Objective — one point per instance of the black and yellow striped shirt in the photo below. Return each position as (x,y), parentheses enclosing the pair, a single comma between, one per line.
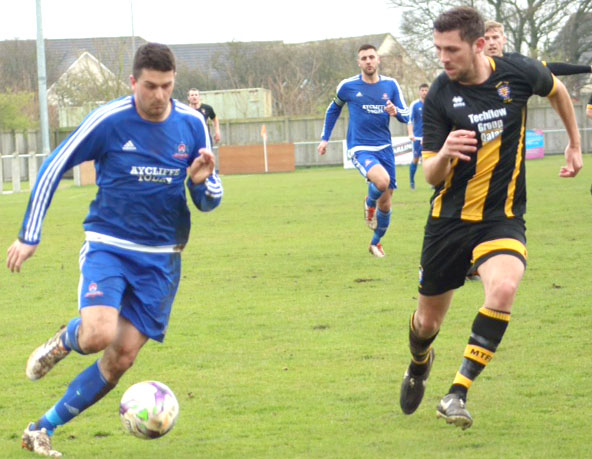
(492,185)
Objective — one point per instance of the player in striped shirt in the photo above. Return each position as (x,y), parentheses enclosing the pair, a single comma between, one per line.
(371,99)
(148,149)
(495,40)
(474,123)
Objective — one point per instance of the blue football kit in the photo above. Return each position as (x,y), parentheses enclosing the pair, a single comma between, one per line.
(416,118)
(139,221)
(368,135)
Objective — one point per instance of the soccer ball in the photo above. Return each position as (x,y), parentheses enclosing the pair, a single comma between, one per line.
(149,409)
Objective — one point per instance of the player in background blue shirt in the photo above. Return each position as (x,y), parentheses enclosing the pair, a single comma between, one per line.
(147,150)
(415,130)
(371,99)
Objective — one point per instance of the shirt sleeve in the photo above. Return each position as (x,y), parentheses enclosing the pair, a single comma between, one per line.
(564,68)
(403,111)
(537,74)
(332,113)
(436,125)
(208,195)
(84,144)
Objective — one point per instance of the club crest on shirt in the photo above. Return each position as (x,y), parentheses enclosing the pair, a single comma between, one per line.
(503,90)
(93,291)
(181,151)
(458,101)
(385,96)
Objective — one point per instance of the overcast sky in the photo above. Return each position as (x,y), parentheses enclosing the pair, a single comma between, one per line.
(199,21)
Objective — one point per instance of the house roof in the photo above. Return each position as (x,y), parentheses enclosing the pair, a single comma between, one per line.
(116,53)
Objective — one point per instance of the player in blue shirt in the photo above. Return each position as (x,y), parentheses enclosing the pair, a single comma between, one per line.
(371,99)
(415,130)
(147,149)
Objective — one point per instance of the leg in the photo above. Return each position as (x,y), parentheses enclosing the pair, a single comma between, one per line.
(383,220)
(414,162)
(423,329)
(501,275)
(379,180)
(97,380)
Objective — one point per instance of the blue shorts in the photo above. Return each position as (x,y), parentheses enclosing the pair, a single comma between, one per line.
(365,160)
(417,148)
(142,286)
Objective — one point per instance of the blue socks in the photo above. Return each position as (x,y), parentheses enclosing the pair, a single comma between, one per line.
(412,171)
(373,195)
(86,389)
(70,337)
(383,220)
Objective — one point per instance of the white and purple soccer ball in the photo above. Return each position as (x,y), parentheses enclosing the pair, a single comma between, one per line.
(149,409)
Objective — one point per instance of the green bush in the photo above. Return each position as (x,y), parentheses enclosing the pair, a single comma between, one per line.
(17,111)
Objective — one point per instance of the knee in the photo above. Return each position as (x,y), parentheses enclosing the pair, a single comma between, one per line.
(94,338)
(426,326)
(503,294)
(382,183)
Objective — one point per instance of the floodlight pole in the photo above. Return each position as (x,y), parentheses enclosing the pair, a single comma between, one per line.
(133,33)
(42,83)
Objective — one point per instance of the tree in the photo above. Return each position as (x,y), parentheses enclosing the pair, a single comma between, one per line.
(530,25)
(302,77)
(188,78)
(574,44)
(18,65)
(17,111)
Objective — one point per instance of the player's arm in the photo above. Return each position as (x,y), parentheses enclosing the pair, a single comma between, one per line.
(83,144)
(443,145)
(18,253)
(402,110)
(217,135)
(204,185)
(561,103)
(331,117)
(459,145)
(563,68)
(410,130)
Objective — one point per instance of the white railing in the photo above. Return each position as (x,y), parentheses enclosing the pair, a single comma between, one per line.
(15,170)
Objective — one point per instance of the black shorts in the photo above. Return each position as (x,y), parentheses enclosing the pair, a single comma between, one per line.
(451,246)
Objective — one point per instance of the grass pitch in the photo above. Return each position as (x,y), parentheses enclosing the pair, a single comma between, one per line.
(287,339)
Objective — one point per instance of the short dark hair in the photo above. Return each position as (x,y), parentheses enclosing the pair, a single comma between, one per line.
(366,47)
(153,56)
(465,19)
(424,85)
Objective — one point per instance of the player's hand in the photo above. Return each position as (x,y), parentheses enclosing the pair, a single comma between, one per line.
(217,137)
(412,138)
(390,108)
(459,144)
(18,252)
(202,167)
(322,148)
(573,158)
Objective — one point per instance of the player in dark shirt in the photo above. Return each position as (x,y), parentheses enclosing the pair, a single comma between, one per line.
(495,40)
(207,111)
(474,128)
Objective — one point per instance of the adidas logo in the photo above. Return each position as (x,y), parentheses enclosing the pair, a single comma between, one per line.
(129,146)
(359,94)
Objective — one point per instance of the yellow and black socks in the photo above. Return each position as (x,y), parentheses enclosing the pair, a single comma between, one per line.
(487,332)
(420,350)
